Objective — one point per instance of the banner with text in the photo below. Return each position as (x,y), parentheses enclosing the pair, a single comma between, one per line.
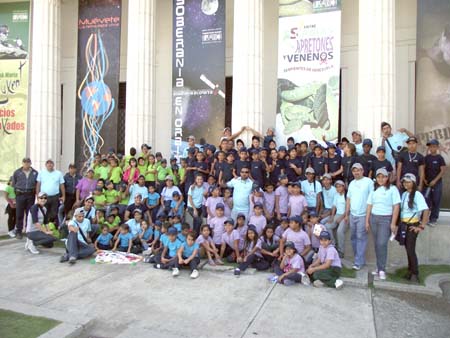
(97,78)
(433,80)
(309,47)
(198,72)
(14,49)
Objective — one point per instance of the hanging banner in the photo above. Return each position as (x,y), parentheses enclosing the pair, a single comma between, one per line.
(198,72)
(433,80)
(309,47)
(97,78)
(14,49)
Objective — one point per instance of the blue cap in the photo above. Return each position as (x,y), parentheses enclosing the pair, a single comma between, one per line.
(254,151)
(331,145)
(313,214)
(191,151)
(317,146)
(240,215)
(282,148)
(220,206)
(172,231)
(253,228)
(229,220)
(381,148)
(258,205)
(325,235)
(284,218)
(243,149)
(282,177)
(158,222)
(367,142)
(433,142)
(290,245)
(297,219)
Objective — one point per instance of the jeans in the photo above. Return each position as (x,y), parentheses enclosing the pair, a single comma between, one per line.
(434,201)
(52,208)
(340,232)
(197,220)
(358,238)
(24,201)
(173,262)
(78,249)
(410,246)
(193,264)
(381,230)
(296,277)
(69,202)
(259,263)
(40,238)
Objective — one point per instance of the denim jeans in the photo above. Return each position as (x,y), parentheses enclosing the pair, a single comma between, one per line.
(76,248)
(359,239)
(434,201)
(340,232)
(381,230)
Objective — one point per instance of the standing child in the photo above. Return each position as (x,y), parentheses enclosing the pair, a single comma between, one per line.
(326,269)
(230,243)
(207,246)
(153,201)
(217,225)
(212,201)
(241,227)
(11,208)
(258,219)
(281,197)
(269,201)
(131,173)
(188,254)
(256,197)
(124,240)
(252,253)
(297,202)
(227,202)
(104,240)
(150,172)
(291,269)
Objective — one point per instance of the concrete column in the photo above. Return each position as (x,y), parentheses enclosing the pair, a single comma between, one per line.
(45,91)
(247,64)
(376,80)
(140,110)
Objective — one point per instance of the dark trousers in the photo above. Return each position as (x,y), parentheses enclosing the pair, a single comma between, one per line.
(410,246)
(52,208)
(229,253)
(327,276)
(24,201)
(296,277)
(197,221)
(40,238)
(259,263)
(193,264)
(69,202)
(173,262)
(434,201)
(78,249)
(11,212)
(103,247)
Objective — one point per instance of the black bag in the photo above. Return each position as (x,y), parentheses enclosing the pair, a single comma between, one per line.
(400,237)
(396,153)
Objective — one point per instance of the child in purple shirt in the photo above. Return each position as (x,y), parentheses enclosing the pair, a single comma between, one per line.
(258,219)
(217,225)
(291,269)
(252,253)
(269,201)
(297,202)
(281,197)
(230,243)
(241,227)
(207,246)
(284,224)
(326,269)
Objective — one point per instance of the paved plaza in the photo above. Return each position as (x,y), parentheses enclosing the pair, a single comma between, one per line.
(139,301)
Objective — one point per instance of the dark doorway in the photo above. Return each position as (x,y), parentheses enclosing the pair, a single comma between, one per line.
(228,100)
(121,118)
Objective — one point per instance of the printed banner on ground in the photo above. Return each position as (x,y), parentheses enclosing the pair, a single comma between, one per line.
(309,46)
(14,49)
(433,79)
(198,72)
(97,78)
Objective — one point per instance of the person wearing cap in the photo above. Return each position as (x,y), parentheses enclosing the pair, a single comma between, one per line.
(393,142)
(291,269)
(196,193)
(367,159)
(71,179)
(383,207)
(134,225)
(167,195)
(312,190)
(24,181)
(414,215)
(348,160)
(85,187)
(37,229)
(411,162)
(294,166)
(138,188)
(231,244)
(299,237)
(282,197)
(382,163)
(326,269)
(176,206)
(333,162)
(337,218)
(434,171)
(258,219)
(79,243)
(258,168)
(357,141)
(355,212)
(242,187)
(212,201)
(297,202)
(217,225)
(51,181)
(190,146)
(168,258)
(138,204)
(328,194)
(277,166)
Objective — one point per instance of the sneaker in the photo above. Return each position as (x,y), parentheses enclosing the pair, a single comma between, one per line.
(147,259)
(64,258)
(27,242)
(219,261)
(211,262)
(432,224)
(273,278)
(147,252)
(237,272)
(194,274)
(288,282)
(339,284)
(305,279)
(19,235)
(157,266)
(175,272)
(12,233)
(318,284)
(32,248)
(374,273)
(72,260)
(382,275)
(356,267)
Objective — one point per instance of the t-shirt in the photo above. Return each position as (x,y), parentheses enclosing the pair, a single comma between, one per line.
(282,193)
(250,245)
(104,239)
(359,148)
(396,141)
(382,200)
(297,203)
(290,172)
(318,164)
(10,191)
(258,172)
(242,234)
(329,253)
(279,231)
(167,192)
(269,201)
(164,239)
(173,247)
(200,240)
(334,164)
(153,198)
(419,205)
(328,197)
(358,192)
(270,245)
(85,226)
(151,177)
(189,250)
(163,172)
(433,164)
(230,238)
(116,175)
(242,189)
(217,225)
(385,164)
(299,238)
(50,181)
(411,163)
(125,239)
(339,202)
(102,172)
(367,162)
(135,227)
(99,201)
(148,233)
(137,189)
(111,196)
(311,190)
(294,262)
(197,196)
(259,222)
(211,203)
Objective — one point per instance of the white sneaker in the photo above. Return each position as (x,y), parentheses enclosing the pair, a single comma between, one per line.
(356,267)
(318,284)
(375,273)
(339,284)
(194,274)
(147,252)
(12,233)
(175,272)
(32,248)
(305,279)
(27,242)
(382,275)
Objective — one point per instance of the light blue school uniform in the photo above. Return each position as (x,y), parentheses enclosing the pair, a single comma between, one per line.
(339,202)
(177,226)
(135,227)
(147,234)
(382,200)
(328,197)
(50,181)
(415,212)
(359,149)
(104,239)
(85,226)
(153,198)
(173,247)
(197,196)
(164,239)
(189,250)
(180,211)
(181,237)
(125,239)
(136,189)
(241,191)
(156,234)
(358,192)
(311,189)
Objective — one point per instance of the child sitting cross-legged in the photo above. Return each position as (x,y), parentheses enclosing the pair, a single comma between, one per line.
(291,269)
(207,246)
(326,269)
(188,254)
(103,241)
(252,252)
(168,258)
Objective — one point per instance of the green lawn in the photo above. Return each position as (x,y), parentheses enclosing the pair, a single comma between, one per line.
(17,325)
(348,272)
(424,271)
(3,237)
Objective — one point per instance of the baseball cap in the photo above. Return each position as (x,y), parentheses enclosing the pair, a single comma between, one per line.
(99,189)
(331,145)
(317,146)
(191,150)
(433,142)
(357,132)
(367,142)
(284,218)
(253,228)
(42,194)
(411,139)
(169,177)
(290,245)
(357,166)
(409,178)
(382,171)
(282,148)
(282,177)
(163,160)
(191,137)
(79,211)
(26,160)
(90,169)
(381,148)
(172,231)
(220,206)
(310,171)
(327,176)
(325,235)
(90,197)
(229,220)
(175,193)
(340,182)
(243,150)
(297,219)
(139,211)
(313,214)
(240,215)
(258,205)
(138,195)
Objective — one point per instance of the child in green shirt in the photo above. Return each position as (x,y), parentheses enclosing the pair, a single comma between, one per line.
(150,173)
(112,196)
(102,171)
(115,172)
(99,198)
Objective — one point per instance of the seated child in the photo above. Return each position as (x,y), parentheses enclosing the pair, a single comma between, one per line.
(300,238)
(252,252)
(124,240)
(188,254)
(314,228)
(103,241)
(168,258)
(270,244)
(145,235)
(326,269)
(176,222)
(207,246)
(174,210)
(185,229)
(113,220)
(230,247)
(284,224)
(291,269)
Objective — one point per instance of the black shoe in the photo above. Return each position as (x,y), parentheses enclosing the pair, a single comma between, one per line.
(237,272)
(415,279)
(64,258)
(19,235)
